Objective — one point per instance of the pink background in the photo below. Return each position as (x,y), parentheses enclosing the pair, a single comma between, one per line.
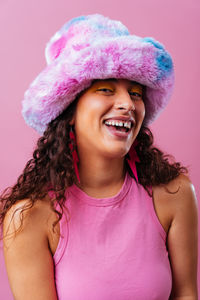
(26,26)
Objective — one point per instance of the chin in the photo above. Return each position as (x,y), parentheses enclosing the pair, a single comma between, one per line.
(117,152)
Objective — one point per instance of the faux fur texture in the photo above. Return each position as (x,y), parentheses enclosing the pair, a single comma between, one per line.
(95,47)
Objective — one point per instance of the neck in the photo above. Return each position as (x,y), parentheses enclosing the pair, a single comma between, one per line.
(101,177)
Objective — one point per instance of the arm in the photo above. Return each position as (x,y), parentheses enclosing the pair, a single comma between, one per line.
(28,259)
(182,242)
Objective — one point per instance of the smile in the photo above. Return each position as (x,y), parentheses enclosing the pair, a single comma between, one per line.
(119,124)
(119,128)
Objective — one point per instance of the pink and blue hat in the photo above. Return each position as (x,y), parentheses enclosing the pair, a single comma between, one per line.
(96,47)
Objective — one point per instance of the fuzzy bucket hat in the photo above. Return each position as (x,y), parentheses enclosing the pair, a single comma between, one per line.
(96,47)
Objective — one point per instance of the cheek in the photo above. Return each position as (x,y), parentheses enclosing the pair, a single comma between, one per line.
(141,111)
(89,114)
(91,108)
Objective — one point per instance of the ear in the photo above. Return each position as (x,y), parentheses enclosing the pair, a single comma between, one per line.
(72,121)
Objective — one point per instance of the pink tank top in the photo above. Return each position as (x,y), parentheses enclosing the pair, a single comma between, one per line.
(112,248)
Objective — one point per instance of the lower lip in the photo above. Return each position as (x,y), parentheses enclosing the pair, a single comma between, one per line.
(121,134)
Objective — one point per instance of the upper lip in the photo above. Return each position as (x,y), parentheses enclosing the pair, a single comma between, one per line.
(122,118)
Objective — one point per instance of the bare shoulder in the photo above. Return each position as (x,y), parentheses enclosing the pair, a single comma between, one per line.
(186,192)
(27,252)
(182,182)
(177,192)
(177,205)
(29,218)
(182,239)
(170,199)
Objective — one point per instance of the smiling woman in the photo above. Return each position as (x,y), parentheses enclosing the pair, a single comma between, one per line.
(99,212)
(101,112)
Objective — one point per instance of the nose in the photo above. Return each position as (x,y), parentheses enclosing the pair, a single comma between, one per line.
(124,102)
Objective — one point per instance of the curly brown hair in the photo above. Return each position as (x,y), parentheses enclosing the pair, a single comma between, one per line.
(51,167)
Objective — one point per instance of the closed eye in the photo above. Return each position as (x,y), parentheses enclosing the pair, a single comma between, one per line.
(136,95)
(105,90)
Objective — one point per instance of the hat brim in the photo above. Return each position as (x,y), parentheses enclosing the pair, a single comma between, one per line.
(127,57)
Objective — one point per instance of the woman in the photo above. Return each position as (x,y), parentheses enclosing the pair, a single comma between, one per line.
(99,212)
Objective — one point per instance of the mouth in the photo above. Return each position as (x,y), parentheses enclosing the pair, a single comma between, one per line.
(119,125)
(120,128)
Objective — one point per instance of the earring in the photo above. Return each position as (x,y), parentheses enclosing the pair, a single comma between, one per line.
(72,146)
(132,159)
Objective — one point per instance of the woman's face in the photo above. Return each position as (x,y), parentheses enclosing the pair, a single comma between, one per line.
(108,117)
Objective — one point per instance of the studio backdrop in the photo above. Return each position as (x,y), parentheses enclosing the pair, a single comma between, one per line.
(25,28)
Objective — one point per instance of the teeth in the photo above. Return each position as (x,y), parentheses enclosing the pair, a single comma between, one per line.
(119,123)
(128,125)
